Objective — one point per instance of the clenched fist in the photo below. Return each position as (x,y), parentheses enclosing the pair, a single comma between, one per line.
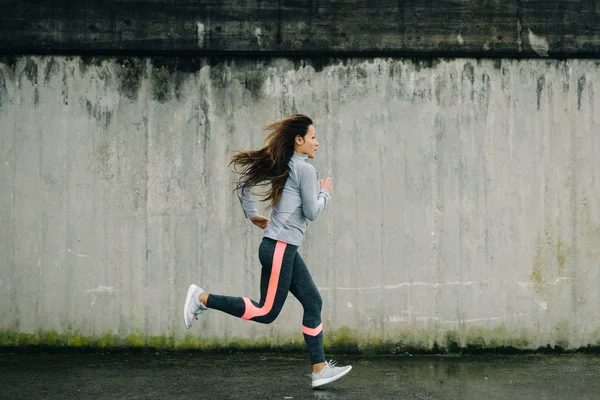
(260,221)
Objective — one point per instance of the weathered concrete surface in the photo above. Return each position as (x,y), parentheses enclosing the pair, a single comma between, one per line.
(264,376)
(466,206)
(554,28)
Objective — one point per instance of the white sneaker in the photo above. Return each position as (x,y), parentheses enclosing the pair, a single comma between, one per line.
(190,309)
(329,373)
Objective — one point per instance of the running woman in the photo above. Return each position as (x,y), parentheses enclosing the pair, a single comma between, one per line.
(296,195)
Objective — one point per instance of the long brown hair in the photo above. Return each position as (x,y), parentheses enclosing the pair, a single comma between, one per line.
(269,165)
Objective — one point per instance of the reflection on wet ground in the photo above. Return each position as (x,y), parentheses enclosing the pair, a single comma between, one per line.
(276,376)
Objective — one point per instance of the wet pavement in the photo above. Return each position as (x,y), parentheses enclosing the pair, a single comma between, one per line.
(276,376)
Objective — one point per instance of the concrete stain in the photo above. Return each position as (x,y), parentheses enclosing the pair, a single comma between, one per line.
(31,71)
(562,334)
(254,83)
(170,73)
(3,90)
(561,255)
(219,76)
(440,90)
(100,113)
(486,92)
(161,88)
(130,74)
(539,266)
(185,65)
(546,254)
(317,63)
(425,63)
(548,251)
(51,69)
(469,74)
(105,158)
(541,82)
(562,67)
(85,62)
(10,62)
(580,87)
(361,72)
(8,65)
(65,89)
(588,232)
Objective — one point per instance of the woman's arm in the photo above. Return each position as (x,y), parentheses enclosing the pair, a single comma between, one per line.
(246,200)
(314,198)
(249,205)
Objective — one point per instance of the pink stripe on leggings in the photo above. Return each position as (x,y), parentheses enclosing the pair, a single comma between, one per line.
(253,311)
(312,331)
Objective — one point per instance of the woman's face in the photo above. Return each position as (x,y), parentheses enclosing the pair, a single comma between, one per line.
(308,144)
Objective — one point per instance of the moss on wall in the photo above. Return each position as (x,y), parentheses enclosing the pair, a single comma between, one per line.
(344,340)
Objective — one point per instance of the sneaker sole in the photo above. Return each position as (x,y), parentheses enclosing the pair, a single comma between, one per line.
(188,299)
(325,381)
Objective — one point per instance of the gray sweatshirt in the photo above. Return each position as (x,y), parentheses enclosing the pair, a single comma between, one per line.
(302,199)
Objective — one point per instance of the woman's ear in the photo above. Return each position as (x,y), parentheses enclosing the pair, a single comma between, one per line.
(299,140)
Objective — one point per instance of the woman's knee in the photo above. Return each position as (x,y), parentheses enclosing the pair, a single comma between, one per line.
(318,302)
(314,304)
(269,317)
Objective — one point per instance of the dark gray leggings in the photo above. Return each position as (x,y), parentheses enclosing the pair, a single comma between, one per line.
(283,271)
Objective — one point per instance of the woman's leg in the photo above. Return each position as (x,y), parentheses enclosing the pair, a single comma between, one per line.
(277,259)
(304,289)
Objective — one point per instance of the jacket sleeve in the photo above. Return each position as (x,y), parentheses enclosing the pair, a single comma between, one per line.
(246,200)
(314,199)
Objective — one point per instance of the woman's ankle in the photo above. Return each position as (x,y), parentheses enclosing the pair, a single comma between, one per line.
(316,368)
(203,298)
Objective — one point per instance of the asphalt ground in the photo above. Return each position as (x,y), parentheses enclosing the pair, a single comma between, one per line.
(276,376)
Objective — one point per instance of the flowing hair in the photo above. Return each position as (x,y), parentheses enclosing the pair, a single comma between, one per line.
(269,165)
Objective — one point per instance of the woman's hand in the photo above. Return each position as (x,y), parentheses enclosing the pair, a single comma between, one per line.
(260,221)
(328,185)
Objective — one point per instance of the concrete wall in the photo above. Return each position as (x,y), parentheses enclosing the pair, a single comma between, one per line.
(465,28)
(466,196)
